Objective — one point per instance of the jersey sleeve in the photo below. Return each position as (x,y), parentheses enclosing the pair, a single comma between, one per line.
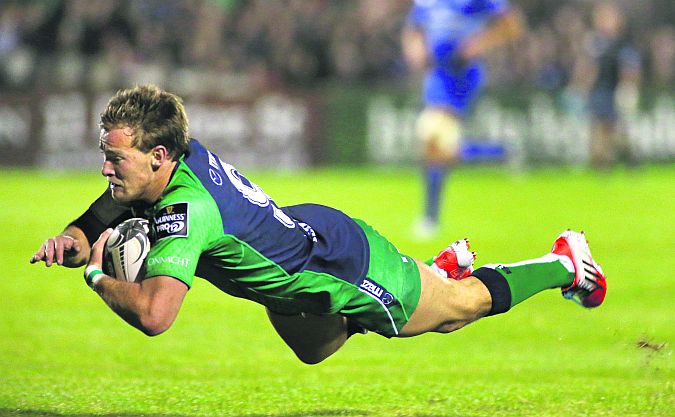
(102,213)
(416,16)
(181,231)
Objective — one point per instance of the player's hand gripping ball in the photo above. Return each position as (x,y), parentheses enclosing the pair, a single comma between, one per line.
(126,249)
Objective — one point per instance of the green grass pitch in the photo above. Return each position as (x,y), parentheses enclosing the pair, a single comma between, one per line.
(63,353)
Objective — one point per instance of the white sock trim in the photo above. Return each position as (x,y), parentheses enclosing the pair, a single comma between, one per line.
(548,258)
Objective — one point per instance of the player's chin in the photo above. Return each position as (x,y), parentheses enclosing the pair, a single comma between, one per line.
(120,196)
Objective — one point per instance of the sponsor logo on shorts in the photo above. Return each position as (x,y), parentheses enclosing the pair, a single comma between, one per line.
(377,291)
(171,221)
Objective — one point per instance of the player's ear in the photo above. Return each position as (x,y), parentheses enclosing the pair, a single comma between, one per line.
(160,155)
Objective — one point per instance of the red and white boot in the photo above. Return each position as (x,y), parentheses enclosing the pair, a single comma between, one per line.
(455,261)
(590,285)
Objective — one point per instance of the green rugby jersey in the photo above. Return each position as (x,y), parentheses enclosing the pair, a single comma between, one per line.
(213,223)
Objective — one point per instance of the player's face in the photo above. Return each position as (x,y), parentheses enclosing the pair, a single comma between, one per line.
(128,170)
(607,19)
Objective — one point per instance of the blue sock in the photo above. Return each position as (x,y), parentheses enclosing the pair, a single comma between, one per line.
(435,179)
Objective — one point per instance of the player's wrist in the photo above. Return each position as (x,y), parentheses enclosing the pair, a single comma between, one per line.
(92,275)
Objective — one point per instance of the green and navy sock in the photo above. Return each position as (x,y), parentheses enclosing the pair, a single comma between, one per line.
(510,284)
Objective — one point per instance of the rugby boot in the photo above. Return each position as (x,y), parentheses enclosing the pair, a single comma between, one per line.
(590,285)
(455,261)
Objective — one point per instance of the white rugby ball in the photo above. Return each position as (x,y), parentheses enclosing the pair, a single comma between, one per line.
(126,249)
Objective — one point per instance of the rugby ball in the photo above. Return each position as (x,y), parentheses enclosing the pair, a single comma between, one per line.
(126,249)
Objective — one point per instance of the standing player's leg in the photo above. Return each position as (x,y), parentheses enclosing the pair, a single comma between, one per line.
(439,131)
(448,96)
(603,128)
(447,305)
(602,139)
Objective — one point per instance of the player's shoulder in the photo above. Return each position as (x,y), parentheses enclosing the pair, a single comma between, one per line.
(180,214)
(183,197)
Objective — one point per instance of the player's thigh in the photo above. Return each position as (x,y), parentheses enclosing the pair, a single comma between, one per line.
(440,133)
(312,337)
(384,300)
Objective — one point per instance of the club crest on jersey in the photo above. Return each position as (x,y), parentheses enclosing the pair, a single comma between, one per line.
(377,291)
(171,221)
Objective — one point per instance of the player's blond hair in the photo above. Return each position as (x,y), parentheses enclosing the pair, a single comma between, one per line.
(155,116)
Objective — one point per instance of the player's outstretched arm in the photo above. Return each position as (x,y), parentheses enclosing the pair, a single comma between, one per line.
(70,249)
(414,48)
(150,305)
(502,29)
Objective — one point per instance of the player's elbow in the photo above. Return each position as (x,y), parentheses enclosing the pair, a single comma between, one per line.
(157,314)
(154,323)
(154,326)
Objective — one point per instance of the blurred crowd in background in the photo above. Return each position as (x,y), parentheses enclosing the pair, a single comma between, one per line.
(226,44)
